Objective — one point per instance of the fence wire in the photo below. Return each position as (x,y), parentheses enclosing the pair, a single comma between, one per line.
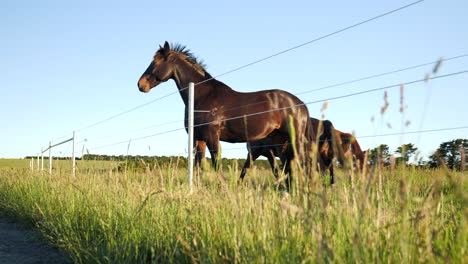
(297,105)
(258,61)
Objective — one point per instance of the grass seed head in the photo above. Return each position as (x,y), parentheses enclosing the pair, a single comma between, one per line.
(324,106)
(427,77)
(438,65)
(386,105)
(402,98)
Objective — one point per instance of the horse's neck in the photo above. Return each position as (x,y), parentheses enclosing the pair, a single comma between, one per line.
(184,74)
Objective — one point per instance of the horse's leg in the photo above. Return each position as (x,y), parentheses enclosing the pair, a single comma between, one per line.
(213,146)
(332,175)
(285,154)
(272,160)
(246,166)
(297,149)
(328,164)
(286,158)
(287,171)
(251,157)
(199,156)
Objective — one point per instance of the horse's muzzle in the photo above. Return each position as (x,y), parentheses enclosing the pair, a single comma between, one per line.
(144,88)
(145,84)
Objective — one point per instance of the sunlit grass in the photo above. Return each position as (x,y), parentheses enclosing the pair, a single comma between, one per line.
(403,215)
(14,163)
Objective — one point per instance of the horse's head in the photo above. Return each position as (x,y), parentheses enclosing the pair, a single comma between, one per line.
(158,71)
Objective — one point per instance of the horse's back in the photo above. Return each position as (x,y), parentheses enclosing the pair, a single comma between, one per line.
(263,112)
(280,97)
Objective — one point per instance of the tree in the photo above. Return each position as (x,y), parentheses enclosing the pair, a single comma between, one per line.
(380,153)
(450,154)
(405,151)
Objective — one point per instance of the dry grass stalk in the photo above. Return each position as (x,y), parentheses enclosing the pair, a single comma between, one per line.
(438,65)
(292,208)
(402,98)
(386,105)
(324,106)
(427,77)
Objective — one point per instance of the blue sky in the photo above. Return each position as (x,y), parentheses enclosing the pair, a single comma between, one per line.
(66,65)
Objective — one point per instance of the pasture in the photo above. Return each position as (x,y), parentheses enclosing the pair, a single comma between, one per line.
(383,215)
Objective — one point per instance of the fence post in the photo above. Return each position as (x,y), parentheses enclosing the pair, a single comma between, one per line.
(190,134)
(31,164)
(50,157)
(38,168)
(73,154)
(42,159)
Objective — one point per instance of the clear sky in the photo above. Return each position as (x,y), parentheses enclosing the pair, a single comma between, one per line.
(65,65)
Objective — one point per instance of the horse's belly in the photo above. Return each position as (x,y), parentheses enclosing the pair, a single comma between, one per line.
(241,134)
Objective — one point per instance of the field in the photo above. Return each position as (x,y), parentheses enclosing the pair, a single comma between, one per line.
(103,215)
(60,165)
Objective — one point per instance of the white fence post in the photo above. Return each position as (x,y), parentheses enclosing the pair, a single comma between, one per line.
(42,159)
(190,134)
(50,153)
(50,157)
(73,154)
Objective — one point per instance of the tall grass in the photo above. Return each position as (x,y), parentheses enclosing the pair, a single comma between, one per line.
(404,215)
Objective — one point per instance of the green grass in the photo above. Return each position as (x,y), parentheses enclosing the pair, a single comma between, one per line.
(404,215)
(14,163)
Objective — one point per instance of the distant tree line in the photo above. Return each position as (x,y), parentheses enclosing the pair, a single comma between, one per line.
(450,154)
(53,158)
(139,162)
(127,157)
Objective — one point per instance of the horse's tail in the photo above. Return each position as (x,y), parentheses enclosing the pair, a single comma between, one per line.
(328,130)
(326,147)
(327,135)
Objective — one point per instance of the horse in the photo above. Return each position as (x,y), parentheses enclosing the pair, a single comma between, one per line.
(342,146)
(326,134)
(268,147)
(351,148)
(220,117)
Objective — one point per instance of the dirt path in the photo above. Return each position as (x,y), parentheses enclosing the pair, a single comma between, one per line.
(20,245)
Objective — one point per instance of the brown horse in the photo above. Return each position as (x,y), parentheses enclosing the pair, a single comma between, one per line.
(351,148)
(342,146)
(345,145)
(265,114)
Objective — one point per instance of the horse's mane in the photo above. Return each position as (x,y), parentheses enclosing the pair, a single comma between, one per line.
(190,57)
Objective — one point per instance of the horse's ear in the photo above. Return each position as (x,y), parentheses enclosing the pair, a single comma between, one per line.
(164,50)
